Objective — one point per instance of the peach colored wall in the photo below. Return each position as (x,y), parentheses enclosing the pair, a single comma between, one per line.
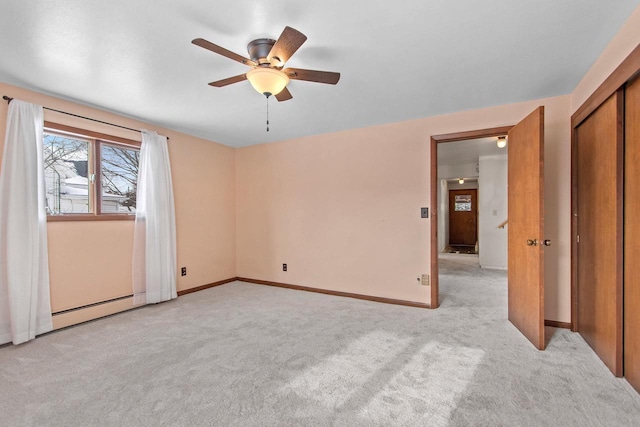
(343,209)
(627,39)
(91,261)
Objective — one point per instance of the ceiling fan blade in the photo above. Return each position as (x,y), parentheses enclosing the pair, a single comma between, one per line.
(286,45)
(222,51)
(326,77)
(285,95)
(230,80)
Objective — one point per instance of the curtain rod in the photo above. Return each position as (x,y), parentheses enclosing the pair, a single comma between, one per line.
(8,99)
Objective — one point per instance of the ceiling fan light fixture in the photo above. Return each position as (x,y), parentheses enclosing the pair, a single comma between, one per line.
(276,62)
(502,142)
(267,80)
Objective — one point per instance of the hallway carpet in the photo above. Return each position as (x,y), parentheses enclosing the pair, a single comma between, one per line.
(250,355)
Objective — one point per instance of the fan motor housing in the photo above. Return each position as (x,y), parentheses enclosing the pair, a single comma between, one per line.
(259,49)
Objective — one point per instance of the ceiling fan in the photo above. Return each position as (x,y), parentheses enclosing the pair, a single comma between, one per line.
(266,59)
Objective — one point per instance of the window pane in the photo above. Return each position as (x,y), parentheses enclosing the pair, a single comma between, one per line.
(463,203)
(66,174)
(119,178)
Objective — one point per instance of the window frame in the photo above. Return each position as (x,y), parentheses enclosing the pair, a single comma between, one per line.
(95,141)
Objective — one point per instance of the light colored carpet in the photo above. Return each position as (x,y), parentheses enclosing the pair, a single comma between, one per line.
(250,355)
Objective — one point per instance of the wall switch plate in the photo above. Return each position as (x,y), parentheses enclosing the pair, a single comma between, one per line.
(425,280)
(183,271)
(424,212)
(284,267)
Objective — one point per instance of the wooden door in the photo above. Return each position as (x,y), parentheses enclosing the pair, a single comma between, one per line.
(463,217)
(632,235)
(599,142)
(526,227)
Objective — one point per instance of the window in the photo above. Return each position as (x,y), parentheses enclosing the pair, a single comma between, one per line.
(66,161)
(119,177)
(463,203)
(89,175)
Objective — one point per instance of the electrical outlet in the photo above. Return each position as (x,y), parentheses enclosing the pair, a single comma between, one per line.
(425,280)
(284,267)
(183,271)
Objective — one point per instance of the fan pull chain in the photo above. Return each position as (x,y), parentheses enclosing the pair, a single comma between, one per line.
(267,114)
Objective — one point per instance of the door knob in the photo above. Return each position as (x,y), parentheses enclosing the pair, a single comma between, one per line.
(547,242)
(532,242)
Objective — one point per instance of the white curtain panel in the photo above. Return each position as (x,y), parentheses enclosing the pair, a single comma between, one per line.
(25,304)
(154,246)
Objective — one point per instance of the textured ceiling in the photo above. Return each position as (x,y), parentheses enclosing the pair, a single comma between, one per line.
(399,60)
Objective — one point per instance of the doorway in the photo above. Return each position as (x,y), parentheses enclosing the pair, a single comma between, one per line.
(439,184)
(472,204)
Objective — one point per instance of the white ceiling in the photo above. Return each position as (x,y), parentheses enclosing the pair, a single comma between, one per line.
(468,151)
(399,60)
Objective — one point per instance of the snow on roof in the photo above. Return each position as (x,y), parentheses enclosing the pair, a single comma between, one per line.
(77,180)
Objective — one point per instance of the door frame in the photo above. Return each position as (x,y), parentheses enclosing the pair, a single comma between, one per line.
(435,140)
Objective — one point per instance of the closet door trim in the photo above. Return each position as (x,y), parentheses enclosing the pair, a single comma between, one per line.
(626,71)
